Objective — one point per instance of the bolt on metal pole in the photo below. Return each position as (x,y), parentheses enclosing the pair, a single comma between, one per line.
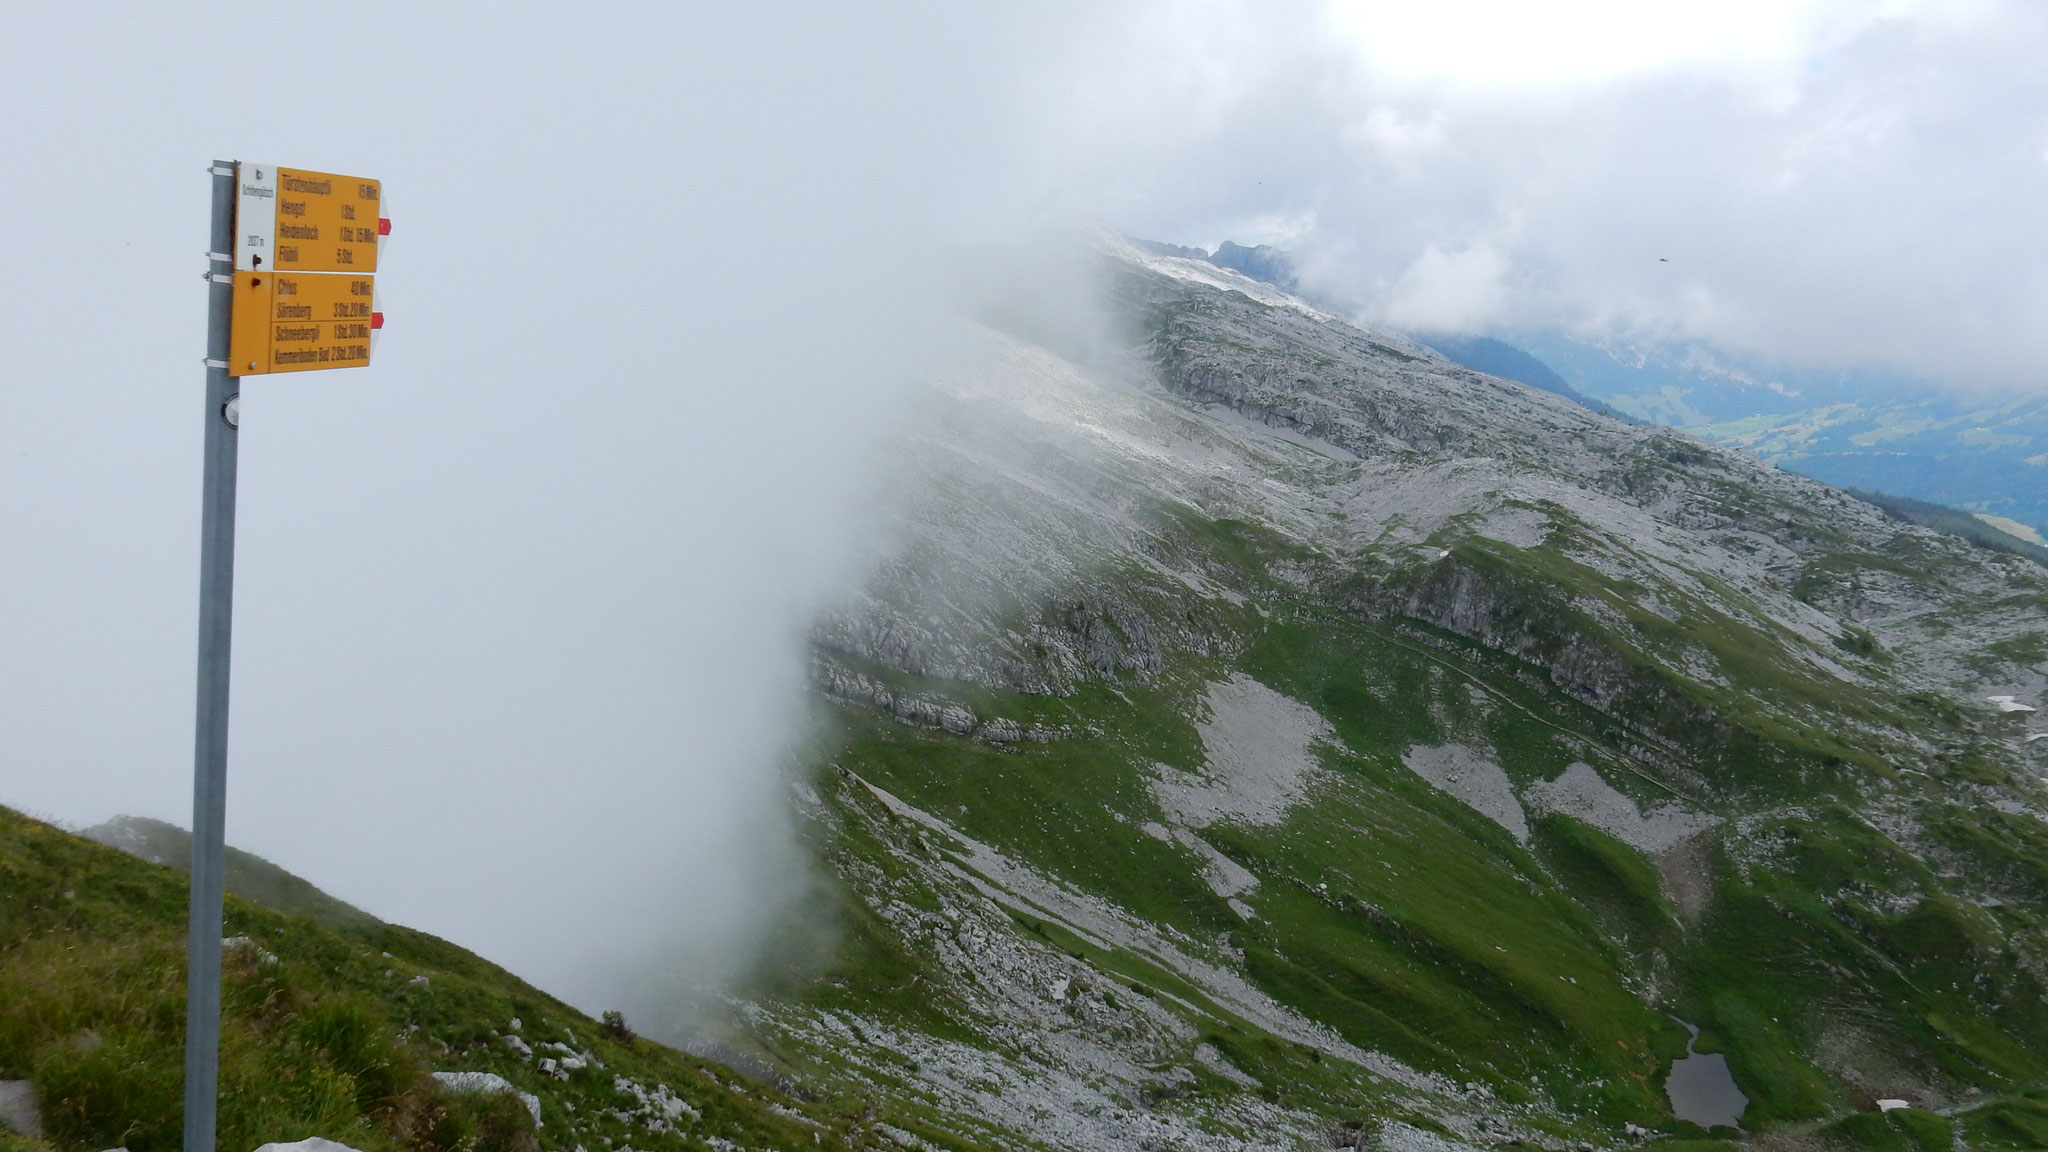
(210,743)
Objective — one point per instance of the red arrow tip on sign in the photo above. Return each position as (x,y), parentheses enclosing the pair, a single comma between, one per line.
(383,226)
(376,319)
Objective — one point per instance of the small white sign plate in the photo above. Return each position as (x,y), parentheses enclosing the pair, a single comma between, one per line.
(255,218)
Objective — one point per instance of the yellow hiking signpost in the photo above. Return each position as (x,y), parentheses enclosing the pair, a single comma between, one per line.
(291,288)
(305,256)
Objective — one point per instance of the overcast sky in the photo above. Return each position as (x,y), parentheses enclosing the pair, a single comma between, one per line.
(1828,182)
(519,617)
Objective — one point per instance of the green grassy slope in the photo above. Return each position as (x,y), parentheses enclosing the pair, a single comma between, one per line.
(327,1032)
(1543,970)
(248,875)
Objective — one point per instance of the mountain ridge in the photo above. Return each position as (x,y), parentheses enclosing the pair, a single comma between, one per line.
(1859,427)
(1492,600)
(248,875)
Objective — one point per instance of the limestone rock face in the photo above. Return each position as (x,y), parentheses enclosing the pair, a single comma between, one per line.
(490,1082)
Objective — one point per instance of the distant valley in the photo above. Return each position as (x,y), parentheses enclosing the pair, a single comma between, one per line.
(1865,429)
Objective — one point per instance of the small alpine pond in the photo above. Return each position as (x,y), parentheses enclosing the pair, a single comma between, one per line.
(1702,1089)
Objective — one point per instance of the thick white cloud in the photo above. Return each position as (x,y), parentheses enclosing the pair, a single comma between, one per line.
(1454,291)
(1500,44)
(1826,182)
(521,607)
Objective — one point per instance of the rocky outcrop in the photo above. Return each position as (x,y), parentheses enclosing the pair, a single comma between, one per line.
(1087,634)
(923,710)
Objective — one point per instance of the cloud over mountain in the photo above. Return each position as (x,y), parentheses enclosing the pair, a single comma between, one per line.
(1825,182)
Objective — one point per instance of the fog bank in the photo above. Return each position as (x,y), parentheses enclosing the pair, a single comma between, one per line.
(521,608)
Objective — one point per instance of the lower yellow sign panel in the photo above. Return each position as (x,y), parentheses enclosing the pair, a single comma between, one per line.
(299,321)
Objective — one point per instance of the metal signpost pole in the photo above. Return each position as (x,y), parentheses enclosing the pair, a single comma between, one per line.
(210,751)
(291,288)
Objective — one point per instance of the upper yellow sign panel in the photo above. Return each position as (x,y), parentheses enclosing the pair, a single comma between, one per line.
(291,220)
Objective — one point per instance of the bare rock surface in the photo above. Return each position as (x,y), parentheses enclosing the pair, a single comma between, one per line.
(1261,760)
(1473,777)
(1067,1050)
(1399,1137)
(1579,792)
(489,1082)
(20,1108)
